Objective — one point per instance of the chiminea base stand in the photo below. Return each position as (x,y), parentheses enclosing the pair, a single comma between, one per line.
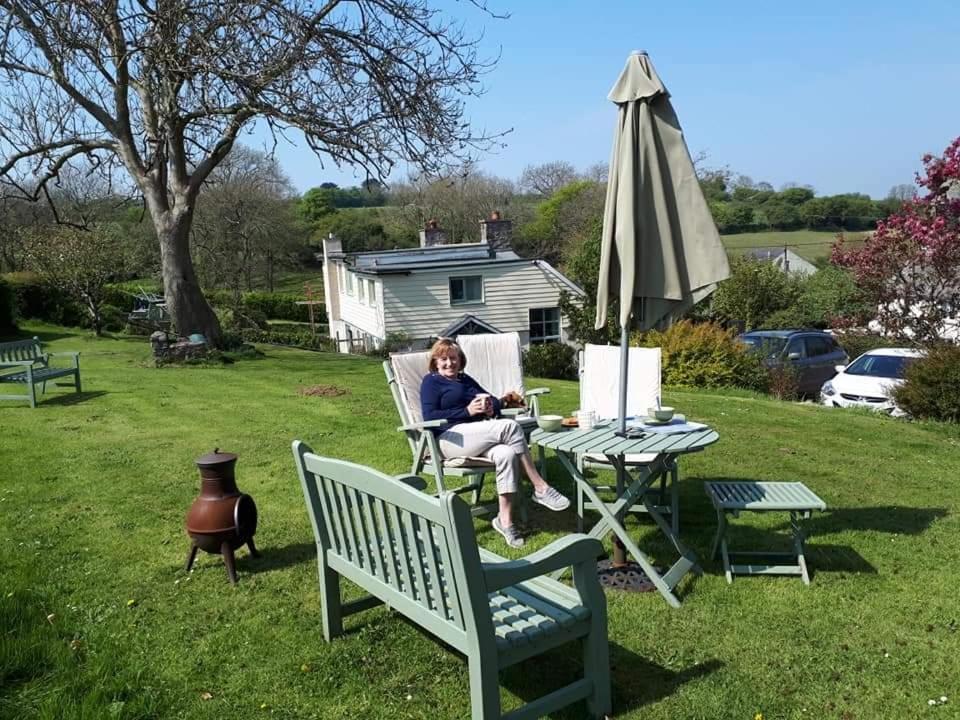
(226,550)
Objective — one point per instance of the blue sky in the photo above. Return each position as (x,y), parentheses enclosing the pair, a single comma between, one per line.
(845,96)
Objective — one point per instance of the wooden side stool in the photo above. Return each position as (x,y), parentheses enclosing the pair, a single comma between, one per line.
(732,498)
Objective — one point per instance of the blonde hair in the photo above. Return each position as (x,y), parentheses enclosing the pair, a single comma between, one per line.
(442,348)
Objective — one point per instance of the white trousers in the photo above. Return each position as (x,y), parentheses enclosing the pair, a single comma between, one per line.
(500,441)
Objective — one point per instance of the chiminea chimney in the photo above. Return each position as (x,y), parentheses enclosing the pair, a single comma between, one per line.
(497,233)
(432,235)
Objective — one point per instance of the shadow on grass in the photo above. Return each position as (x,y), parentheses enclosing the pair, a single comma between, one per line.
(277,558)
(636,681)
(889,518)
(73,398)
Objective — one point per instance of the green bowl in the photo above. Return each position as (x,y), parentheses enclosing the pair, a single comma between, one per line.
(550,423)
(662,413)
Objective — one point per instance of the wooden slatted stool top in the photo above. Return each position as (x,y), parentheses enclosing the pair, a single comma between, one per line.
(761,496)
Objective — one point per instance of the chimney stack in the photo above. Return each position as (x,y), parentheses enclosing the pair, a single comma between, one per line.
(432,235)
(496,232)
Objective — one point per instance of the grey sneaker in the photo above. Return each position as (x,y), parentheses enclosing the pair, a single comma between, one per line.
(510,533)
(551,499)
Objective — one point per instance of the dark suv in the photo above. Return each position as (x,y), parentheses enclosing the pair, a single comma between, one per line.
(812,354)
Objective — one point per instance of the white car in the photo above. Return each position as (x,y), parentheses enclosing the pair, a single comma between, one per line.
(869,380)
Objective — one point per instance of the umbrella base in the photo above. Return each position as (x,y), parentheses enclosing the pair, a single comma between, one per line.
(631,433)
(628,577)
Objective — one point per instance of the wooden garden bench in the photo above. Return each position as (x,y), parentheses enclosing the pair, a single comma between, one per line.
(418,555)
(732,498)
(23,362)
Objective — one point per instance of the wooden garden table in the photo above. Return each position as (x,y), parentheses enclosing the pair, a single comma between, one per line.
(568,444)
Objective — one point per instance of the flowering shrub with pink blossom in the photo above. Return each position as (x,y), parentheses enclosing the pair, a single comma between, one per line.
(910,267)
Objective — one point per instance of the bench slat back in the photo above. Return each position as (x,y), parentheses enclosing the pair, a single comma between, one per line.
(20,350)
(395,536)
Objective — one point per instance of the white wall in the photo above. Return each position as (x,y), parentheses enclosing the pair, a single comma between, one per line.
(363,316)
(419,303)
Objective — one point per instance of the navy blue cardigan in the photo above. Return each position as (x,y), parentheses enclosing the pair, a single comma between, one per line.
(444,399)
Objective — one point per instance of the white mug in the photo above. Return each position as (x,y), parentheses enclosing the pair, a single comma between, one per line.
(586,419)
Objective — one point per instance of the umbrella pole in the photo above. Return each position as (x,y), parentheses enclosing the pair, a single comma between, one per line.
(619,551)
(624,360)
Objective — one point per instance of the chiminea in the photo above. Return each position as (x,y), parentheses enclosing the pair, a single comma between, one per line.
(222,518)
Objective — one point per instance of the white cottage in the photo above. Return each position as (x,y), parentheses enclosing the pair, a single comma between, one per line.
(443,290)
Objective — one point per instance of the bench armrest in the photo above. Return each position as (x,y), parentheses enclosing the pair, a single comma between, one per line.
(422,425)
(566,552)
(536,391)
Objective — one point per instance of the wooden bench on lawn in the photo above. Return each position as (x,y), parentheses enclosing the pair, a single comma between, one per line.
(23,362)
(418,555)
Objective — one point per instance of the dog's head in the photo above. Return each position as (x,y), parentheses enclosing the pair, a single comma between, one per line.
(512,400)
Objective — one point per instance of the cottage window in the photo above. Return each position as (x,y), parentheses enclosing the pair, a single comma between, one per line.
(350,288)
(467,289)
(362,291)
(544,325)
(371,293)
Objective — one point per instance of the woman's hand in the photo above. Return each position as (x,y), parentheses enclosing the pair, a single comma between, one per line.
(479,406)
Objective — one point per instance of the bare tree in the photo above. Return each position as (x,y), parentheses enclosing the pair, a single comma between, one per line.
(547,178)
(458,203)
(163,88)
(903,192)
(245,222)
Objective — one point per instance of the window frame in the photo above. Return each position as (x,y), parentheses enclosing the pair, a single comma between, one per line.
(371,293)
(544,323)
(466,301)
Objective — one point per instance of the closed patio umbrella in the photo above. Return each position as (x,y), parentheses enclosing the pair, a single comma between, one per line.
(660,249)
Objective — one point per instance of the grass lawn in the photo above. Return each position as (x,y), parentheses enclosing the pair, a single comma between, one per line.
(99,620)
(809,244)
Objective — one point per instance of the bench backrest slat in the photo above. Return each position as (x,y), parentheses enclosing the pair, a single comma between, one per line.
(20,350)
(395,537)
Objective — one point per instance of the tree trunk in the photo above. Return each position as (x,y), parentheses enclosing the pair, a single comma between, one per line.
(189,309)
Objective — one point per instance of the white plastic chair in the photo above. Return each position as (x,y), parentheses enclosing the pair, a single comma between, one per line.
(495,360)
(600,392)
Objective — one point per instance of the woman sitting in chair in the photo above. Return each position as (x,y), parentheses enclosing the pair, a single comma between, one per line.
(474,429)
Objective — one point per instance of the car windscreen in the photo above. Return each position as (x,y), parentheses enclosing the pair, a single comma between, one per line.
(885,366)
(767,346)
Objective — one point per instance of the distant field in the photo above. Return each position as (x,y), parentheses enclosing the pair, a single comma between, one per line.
(810,244)
(293,282)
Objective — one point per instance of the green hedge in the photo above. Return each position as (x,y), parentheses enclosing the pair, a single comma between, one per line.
(8,309)
(293,338)
(36,301)
(550,360)
(274,306)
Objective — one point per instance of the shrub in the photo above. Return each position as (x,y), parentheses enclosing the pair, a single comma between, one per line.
(754,291)
(932,387)
(704,355)
(36,300)
(783,383)
(8,316)
(394,342)
(550,360)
